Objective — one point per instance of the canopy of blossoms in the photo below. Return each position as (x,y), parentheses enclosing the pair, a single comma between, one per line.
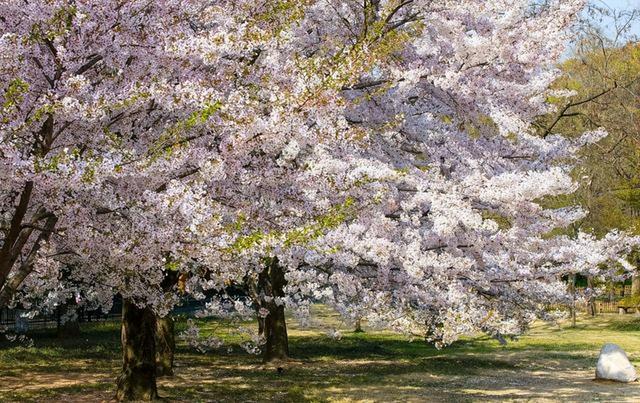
(380,150)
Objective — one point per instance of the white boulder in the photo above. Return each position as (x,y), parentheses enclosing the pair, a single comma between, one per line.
(613,364)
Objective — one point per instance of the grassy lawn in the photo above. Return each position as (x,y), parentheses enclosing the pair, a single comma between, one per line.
(551,363)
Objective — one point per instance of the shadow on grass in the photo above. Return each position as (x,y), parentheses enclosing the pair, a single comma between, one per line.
(354,369)
(626,326)
(369,366)
(54,393)
(387,368)
(97,345)
(396,347)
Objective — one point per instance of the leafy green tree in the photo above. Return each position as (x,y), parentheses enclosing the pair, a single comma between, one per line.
(600,88)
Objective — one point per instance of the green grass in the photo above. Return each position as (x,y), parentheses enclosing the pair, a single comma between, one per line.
(550,363)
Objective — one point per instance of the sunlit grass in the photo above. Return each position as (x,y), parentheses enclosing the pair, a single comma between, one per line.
(550,362)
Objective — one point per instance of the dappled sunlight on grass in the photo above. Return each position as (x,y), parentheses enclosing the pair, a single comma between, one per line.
(550,363)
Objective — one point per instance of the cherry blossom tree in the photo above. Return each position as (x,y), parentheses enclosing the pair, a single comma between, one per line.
(135,138)
(439,227)
(96,103)
(374,154)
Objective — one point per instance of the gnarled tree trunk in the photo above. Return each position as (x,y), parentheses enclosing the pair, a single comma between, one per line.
(165,346)
(138,378)
(271,285)
(275,333)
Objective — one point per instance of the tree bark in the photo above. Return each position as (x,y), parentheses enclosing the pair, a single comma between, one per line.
(592,301)
(275,332)
(9,286)
(9,251)
(358,328)
(260,325)
(165,330)
(271,286)
(165,346)
(635,288)
(635,284)
(572,291)
(138,378)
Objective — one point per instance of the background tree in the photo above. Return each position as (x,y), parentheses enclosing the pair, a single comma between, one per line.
(599,88)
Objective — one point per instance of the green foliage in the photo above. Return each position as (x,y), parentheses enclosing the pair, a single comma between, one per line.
(57,25)
(301,235)
(173,138)
(14,94)
(630,301)
(502,221)
(322,224)
(604,81)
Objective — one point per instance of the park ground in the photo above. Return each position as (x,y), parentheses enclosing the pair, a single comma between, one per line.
(551,363)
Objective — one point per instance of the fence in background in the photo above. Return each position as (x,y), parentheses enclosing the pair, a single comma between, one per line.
(15,319)
(616,293)
(603,307)
(609,301)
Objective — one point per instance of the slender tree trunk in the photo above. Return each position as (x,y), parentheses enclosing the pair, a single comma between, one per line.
(261,322)
(165,345)
(572,291)
(10,285)
(252,288)
(9,252)
(271,286)
(592,301)
(138,378)
(635,284)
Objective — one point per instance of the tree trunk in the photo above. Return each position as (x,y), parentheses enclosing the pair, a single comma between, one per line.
(165,330)
(260,325)
(138,378)
(165,346)
(275,333)
(10,285)
(635,284)
(358,326)
(70,328)
(592,301)
(572,291)
(271,285)
(635,289)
